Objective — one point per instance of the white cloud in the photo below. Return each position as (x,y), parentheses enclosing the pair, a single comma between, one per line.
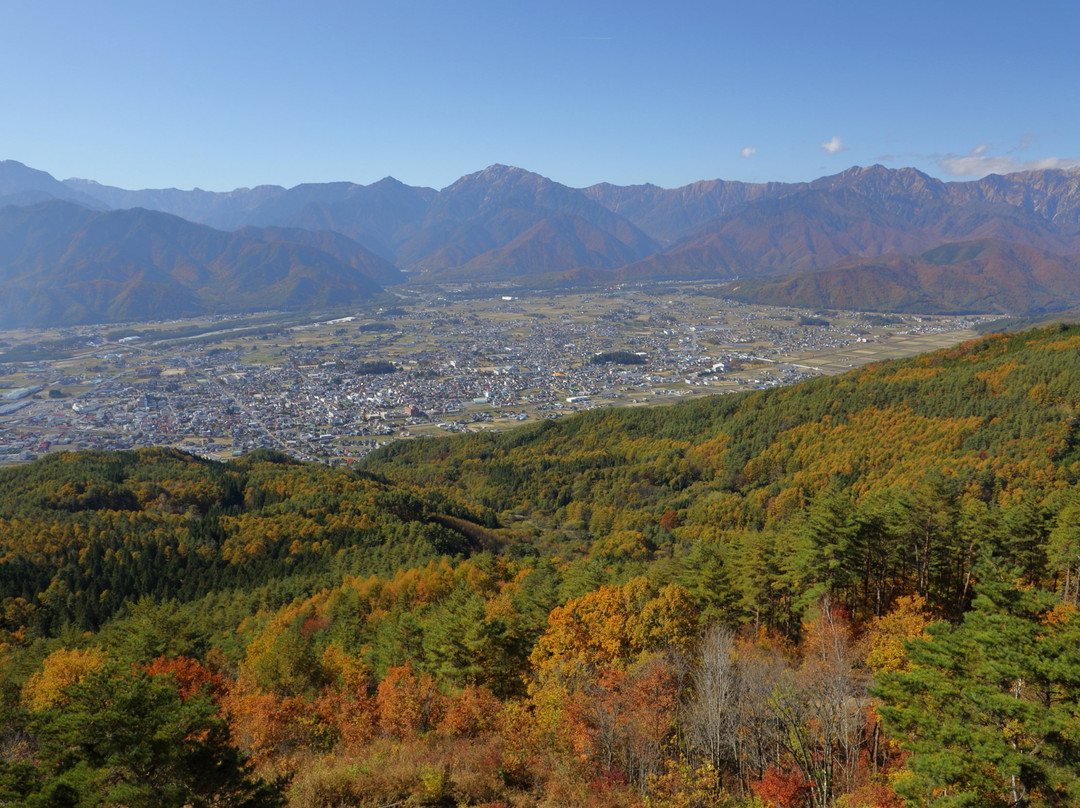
(833,146)
(1025,141)
(979,165)
(748,151)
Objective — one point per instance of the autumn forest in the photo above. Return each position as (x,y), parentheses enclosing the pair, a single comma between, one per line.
(857,591)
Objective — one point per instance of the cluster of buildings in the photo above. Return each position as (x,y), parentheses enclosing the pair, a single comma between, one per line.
(312,392)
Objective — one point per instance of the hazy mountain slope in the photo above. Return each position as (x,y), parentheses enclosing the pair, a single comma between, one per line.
(381,216)
(717,260)
(63,264)
(22,185)
(860,211)
(222,210)
(349,252)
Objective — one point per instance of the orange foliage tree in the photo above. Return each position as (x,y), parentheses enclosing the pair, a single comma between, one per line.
(408,703)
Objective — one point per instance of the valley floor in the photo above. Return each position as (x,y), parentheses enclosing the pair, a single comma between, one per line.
(464,361)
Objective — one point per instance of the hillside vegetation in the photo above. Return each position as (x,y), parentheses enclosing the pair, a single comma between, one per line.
(770,598)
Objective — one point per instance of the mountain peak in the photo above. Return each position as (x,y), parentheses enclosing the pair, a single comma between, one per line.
(856,171)
(498,172)
(498,176)
(501,168)
(877,180)
(878,172)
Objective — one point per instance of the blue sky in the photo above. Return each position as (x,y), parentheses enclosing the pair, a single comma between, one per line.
(231,94)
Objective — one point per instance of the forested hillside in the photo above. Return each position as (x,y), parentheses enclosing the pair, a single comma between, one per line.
(772,598)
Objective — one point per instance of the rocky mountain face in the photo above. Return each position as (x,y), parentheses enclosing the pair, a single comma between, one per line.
(669,214)
(1052,195)
(508,224)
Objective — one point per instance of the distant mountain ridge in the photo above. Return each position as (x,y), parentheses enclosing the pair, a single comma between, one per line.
(427,230)
(22,185)
(511,225)
(224,211)
(65,264)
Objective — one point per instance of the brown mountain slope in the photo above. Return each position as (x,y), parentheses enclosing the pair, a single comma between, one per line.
(550,245)
(819,228)
(341,247)
(870,210)
(972,276)
(489,209)
(801,231)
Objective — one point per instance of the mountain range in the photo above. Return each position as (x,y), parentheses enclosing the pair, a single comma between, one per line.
(866,238)
(63,264)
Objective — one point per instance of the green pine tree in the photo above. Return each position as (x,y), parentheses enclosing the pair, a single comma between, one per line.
(989,710)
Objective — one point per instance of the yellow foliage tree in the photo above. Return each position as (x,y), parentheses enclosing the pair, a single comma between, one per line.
(611,627)
(906,621)
(61,669)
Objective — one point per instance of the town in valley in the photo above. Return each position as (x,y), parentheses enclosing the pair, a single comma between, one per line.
(427,362)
